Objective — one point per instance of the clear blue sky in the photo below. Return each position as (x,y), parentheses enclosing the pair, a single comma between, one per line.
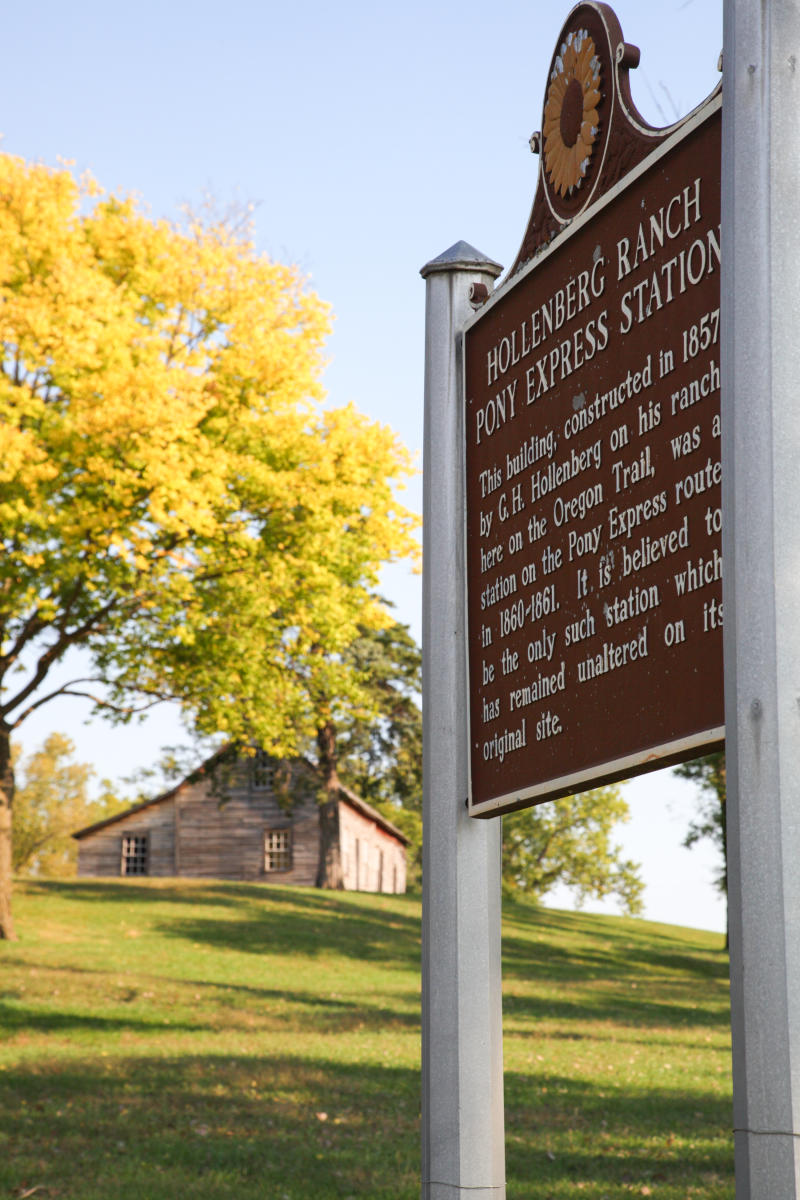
(369,138)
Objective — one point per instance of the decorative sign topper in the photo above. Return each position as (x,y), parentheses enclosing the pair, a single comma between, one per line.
(592,382)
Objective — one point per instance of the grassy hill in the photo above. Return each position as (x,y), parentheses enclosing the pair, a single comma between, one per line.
(161,1040)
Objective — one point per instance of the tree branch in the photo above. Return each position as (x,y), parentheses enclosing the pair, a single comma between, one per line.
(69,689)
(32,627)
(52,654)
(555,831)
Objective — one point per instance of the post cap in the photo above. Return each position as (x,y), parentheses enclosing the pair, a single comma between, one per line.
(462,257)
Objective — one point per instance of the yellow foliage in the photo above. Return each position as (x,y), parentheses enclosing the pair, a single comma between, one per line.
(173,492)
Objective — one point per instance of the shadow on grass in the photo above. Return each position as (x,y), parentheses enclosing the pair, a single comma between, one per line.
(580,966)
(569,1135)
(108,890)
(258,1127)
(20,1018)
(626,947)
(538,942)
(225,1005)
(197,890)
(304,936)
(264,918)
(309,925)
(211,1128)
(614,1005)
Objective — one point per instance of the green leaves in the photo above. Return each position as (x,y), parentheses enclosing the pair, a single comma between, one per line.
(568,841)
(709,774)
(50,803)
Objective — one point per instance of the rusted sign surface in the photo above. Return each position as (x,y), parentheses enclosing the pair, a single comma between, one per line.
(594,570)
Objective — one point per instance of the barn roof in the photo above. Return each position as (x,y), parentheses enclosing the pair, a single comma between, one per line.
(345,794)
(193,777)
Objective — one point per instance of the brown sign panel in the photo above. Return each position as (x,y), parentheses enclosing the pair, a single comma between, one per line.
(594,571)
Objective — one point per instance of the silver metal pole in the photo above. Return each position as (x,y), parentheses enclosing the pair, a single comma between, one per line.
(462,1053)
(761,543)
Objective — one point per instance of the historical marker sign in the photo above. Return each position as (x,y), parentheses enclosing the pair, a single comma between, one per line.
(592,380)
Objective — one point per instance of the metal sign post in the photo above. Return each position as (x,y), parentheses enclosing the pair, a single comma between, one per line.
(590,567)
(462,1054)
(761,588)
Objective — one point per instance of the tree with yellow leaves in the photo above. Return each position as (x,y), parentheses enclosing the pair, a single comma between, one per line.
(51,801)
(174,497)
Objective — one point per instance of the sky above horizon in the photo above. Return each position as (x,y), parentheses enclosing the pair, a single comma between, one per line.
(368,140)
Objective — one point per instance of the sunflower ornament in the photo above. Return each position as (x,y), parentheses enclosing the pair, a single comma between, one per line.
(570,112)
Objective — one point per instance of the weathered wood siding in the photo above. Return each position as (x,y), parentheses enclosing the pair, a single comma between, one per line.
(101,853)
(226,841)
(372,860)
(192,833)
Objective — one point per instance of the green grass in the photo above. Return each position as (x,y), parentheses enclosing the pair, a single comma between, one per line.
(181,1039)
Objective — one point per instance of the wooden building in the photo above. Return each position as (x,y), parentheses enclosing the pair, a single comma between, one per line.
(249,819)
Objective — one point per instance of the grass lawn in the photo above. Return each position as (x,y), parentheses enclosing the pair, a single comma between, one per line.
(162,1040)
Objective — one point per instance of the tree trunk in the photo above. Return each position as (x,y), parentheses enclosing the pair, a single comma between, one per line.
(6,800)
(329,872)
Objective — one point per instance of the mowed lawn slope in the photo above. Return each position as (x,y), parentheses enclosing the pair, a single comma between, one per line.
(161,1040)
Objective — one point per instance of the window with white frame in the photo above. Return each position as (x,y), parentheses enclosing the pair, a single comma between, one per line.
(134,854)
(278,850)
